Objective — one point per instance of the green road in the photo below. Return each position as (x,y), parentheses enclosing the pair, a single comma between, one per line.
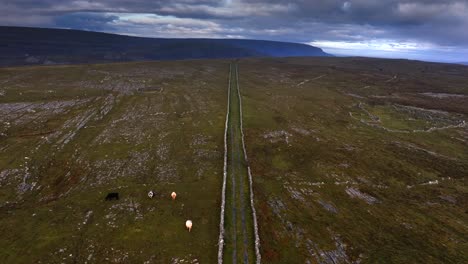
(239,225)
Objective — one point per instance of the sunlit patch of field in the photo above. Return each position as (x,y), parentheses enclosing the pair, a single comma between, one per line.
(69,135)
(354,165)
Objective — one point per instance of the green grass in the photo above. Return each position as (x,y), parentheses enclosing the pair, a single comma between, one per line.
(407,225)
(167,141)
(164,131)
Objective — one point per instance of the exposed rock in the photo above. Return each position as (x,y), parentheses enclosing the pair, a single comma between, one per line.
(355,193)
(328,206)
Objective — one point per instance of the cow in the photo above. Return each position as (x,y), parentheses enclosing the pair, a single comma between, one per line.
(173,195)
(112,196)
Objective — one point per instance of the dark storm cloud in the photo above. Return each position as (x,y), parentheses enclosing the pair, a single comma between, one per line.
(87,21)
(442,22)
(434,22)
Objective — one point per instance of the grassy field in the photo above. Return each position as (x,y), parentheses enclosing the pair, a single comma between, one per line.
(72,134)
(358,160)
(353,161)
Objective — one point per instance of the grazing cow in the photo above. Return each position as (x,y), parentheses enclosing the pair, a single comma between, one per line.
(150,194)
(188,224)
(173,195)
(112,196)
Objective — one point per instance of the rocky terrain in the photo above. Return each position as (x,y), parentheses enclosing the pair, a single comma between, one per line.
(71,134)
(353,160)
(358,160)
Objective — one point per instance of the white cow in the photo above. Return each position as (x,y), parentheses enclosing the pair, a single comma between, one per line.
(189,224)
(150,194)
(173,195)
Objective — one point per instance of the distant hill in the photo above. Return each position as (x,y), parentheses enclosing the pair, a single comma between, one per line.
(32,46)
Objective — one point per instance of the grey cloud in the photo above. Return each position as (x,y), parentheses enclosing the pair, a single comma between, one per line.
(429,21)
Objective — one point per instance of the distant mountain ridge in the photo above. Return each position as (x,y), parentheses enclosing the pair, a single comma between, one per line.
(32,46)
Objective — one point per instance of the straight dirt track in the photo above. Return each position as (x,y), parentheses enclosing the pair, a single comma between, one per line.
(241,242)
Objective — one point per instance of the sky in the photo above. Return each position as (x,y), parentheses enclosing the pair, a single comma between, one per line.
(433,30)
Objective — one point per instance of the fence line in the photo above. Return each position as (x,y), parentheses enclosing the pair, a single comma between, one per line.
(254,214)
(223,193)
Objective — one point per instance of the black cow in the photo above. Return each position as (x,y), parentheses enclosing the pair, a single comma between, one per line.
(112,196)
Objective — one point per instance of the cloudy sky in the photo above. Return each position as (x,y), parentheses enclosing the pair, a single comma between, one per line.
(434,30)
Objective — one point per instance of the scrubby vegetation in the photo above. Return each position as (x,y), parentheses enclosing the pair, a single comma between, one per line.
(72,134)
(355,162)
